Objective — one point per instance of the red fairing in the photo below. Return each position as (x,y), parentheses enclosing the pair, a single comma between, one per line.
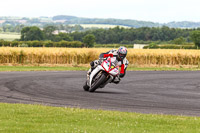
(107,55)
(122,69)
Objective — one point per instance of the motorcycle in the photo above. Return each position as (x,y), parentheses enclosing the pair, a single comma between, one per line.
(102,74)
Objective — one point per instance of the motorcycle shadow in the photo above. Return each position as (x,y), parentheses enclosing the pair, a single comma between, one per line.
(110,92)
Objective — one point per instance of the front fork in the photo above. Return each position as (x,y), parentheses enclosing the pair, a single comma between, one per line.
(88,76)
(109,80)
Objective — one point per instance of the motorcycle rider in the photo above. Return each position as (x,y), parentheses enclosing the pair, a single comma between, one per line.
(120,56)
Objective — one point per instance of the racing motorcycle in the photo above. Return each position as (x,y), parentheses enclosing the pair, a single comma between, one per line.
(102,74)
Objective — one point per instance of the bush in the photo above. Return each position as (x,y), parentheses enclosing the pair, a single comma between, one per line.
(153,45)
(112,45)
(23,45)
(171,47)
(72,44)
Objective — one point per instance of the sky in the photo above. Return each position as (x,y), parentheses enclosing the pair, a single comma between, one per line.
(161,11)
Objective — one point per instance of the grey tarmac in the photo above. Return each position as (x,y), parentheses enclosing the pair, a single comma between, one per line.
(159,92)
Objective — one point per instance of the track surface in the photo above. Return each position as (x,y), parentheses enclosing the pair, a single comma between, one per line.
(166,92)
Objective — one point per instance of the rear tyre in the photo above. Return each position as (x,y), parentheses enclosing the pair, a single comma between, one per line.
(86,87)
(98,82)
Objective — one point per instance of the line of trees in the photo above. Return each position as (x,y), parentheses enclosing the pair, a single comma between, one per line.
(11,28)
(142,35)
(35,33)
(115,35)
(112,35)
(131,35)
(17,28)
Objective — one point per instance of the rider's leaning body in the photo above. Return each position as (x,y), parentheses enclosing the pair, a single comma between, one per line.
(120,56)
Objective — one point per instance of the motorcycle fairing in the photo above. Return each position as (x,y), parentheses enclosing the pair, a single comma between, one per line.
(94,72)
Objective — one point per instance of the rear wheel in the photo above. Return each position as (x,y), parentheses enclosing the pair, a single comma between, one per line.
(98,82)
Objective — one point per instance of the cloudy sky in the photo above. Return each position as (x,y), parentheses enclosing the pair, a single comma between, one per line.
(147,10)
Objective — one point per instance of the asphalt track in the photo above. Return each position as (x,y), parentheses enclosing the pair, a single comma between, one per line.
(162,92)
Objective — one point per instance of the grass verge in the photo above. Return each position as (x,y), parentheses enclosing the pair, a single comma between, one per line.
(161,69)
(41,68)
(20,118)
(85,68)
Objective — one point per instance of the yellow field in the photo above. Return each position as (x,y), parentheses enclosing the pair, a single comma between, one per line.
(137,57)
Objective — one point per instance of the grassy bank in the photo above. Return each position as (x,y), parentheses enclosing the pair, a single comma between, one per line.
(21,118)
(9,36)
(85,68)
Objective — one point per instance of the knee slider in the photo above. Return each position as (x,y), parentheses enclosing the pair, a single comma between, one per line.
(121,75)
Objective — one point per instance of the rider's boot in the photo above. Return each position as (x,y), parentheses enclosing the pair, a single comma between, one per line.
(116,80)
(94,64)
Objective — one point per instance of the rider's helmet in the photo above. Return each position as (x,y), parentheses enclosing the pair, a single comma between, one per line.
(122,52)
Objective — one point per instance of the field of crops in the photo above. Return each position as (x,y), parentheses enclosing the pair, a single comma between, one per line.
(138,57)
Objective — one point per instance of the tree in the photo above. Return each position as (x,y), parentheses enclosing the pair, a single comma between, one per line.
(179,41)
(153,45)
(89,40)
(78,28)
(65,37)
(31,34)
(18,28)
(195,37)
(8,28)
(48,32)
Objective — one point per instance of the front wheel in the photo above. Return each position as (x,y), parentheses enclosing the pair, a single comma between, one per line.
(86,87)
(98,82)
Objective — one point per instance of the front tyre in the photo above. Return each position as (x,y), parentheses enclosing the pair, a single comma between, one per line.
(86,87)
(98,82)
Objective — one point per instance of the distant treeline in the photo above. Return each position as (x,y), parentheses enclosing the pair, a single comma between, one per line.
(65,19)
(134,35)
(110,36)
(18,28)
(117,35)
(124,22)
(11,28)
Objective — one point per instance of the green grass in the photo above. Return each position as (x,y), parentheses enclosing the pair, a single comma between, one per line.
(9,36)
(41,68)
(82,68)
(161,69)
(20,118)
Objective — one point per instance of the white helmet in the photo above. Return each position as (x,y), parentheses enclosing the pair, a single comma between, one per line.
(122,52)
